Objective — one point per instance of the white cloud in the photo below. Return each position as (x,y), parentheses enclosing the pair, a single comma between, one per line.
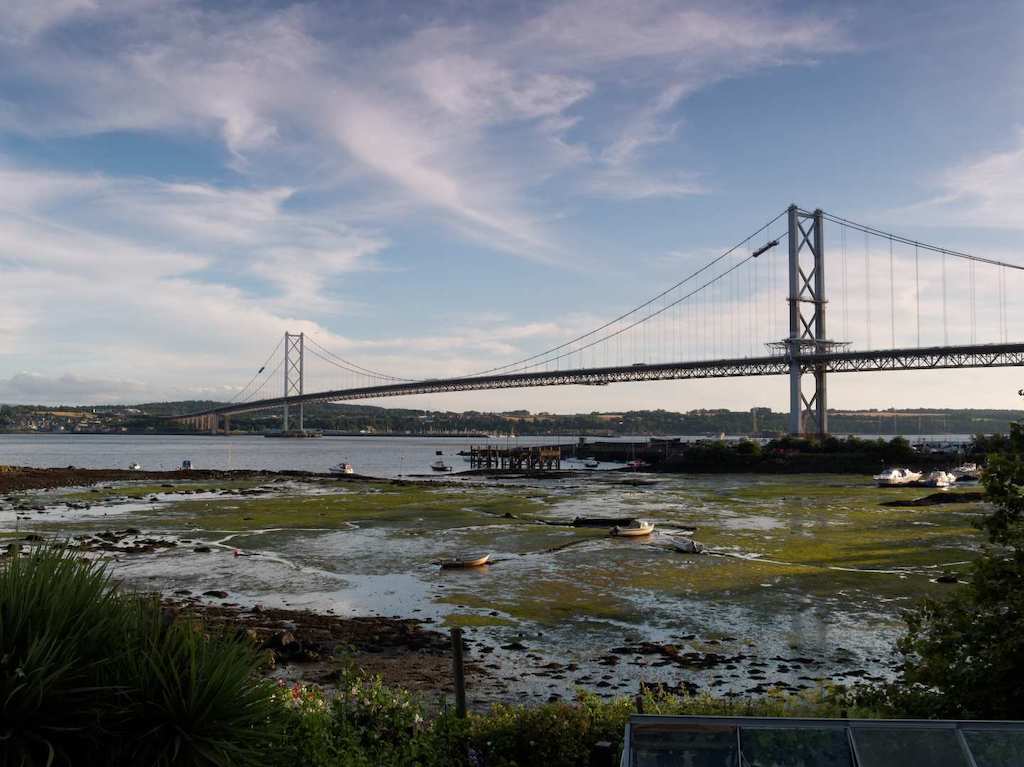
(987,191)
(33,388)
(159,280)
(417,111)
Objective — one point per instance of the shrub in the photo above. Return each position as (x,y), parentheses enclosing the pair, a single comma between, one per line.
(964,656)
(192,699)
(59,619)
(369,724)
(93,675)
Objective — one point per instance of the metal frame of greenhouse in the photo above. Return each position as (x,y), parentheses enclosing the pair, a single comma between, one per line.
(717,741)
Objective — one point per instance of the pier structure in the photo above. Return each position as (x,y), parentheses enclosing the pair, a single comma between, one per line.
(533,458)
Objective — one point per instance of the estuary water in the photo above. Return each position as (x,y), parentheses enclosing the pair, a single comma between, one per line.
(803,583)
(374,456)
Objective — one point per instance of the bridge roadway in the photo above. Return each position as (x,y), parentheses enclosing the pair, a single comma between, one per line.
(923,358)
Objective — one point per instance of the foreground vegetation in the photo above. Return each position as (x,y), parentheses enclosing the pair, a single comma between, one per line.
(92,674)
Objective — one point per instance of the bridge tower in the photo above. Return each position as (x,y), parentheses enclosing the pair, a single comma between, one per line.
(294,347)
(807,334)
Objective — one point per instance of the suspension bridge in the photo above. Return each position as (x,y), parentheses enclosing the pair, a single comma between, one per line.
(757,309)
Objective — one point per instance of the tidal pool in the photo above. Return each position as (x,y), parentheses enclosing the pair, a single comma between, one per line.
(803,586)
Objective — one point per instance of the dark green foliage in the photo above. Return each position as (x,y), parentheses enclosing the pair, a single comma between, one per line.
(370,725)
(964,656)
(58,615)
(91,675)
(192,699)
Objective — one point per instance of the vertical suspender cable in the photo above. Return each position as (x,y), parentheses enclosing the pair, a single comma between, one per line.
(846,305)
(892,298)
(917,293)
(752,306)
(973,331)
(757,305)
(945,320)
(867,291)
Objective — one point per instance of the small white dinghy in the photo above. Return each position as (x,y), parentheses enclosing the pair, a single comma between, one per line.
(466,561)
(634,529)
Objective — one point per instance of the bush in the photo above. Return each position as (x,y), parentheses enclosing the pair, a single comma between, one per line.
(93,675)
(369,724)
(964,656)
(58,617)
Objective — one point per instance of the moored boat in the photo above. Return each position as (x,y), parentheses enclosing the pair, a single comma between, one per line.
(634,529)
(457,562)
(939,479)
(135,467)
(343,468)
(591,464)
(439,464)
(967,472)
(896,477)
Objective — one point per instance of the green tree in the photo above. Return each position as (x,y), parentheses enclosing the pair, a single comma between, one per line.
(964,656)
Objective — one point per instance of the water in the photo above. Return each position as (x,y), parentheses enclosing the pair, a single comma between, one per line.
(805,566)
(374,456)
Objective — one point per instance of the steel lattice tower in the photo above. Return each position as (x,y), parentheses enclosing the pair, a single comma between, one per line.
(293,373)
(807,320)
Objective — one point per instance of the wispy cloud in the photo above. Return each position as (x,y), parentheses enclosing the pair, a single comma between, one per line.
(986,191)
(490,124)
(428,113)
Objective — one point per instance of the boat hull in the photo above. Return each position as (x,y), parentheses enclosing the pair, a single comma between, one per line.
(455,564)
(632,532)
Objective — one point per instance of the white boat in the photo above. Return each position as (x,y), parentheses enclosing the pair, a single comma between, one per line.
(466,561)
(135,467)
(896,477)
(440,465)
(967,472)
(591,464)
(939,479)
(343,468)
(634,529)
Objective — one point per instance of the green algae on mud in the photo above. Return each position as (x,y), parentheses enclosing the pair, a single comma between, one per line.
(777,541)
(422,506)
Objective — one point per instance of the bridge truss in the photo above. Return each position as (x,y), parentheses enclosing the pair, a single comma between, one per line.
(701,317)
(980,356)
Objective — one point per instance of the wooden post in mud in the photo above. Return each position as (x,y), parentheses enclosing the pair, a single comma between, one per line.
(460,674)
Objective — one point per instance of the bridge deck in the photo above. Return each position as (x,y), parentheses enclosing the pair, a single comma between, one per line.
(976,356)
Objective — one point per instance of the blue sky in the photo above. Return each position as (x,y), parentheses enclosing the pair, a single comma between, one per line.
(433,189)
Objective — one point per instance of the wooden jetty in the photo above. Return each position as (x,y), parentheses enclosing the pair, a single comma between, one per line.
(531,458)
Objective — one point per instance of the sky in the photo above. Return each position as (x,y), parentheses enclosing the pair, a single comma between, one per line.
(434,189)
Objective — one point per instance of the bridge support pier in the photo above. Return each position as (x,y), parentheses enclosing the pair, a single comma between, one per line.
(806,321)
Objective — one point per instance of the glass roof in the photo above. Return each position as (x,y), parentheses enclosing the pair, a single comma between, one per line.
(707,741)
